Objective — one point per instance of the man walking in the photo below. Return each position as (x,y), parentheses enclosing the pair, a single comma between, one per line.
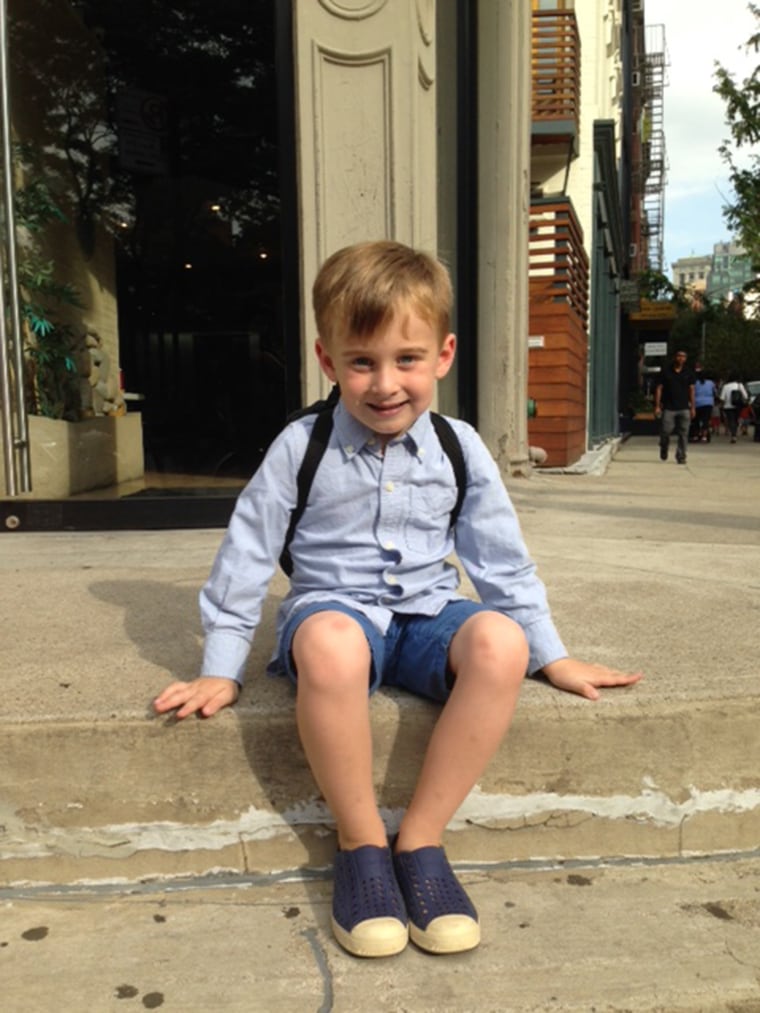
(674,405)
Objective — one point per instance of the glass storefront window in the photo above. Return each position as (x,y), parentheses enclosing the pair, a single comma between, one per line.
(145,140)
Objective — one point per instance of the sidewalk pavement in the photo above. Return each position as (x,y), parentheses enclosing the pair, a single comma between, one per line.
(659,937)
(613,850)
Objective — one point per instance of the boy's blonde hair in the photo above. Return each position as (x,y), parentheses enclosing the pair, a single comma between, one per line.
(359,288)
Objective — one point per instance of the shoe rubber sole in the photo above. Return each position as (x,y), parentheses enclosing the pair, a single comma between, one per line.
(447,934)
(375,937)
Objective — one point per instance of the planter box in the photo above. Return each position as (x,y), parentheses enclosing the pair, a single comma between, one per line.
(645,424)
(75,457)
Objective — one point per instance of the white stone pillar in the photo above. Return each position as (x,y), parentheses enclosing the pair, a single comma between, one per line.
(365,134)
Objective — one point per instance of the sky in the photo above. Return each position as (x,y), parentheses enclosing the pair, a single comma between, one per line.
(697,33)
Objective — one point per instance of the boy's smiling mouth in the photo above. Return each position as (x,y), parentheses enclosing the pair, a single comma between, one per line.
(387,409)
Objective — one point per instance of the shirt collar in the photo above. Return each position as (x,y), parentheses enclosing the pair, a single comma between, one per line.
(353,436)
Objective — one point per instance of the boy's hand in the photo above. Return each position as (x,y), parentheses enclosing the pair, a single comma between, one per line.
(584,679)
(205,696)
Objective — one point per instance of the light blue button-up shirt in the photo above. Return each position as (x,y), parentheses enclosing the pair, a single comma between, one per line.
(375,536)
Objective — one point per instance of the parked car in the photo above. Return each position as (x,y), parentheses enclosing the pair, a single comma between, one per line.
(753,389)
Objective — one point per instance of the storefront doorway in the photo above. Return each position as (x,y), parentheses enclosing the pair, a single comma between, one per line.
(161,352)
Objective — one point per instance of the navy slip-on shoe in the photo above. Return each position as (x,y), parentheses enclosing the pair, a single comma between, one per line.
(442,918)
(368,916)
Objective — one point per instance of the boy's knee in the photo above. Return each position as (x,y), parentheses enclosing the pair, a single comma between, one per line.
(330,646)
(492,631)
(492,642)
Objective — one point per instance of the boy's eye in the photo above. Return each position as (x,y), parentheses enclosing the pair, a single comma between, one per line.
(407,360)
(361,362)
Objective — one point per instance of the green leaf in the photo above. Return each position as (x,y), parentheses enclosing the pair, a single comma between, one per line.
(40,325)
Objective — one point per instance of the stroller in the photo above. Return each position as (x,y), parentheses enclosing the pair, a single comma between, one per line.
(754,408)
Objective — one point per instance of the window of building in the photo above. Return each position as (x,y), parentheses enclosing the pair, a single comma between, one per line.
(157,128)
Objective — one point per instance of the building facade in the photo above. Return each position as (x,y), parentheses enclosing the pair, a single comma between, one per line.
(730,270)
(692,272)
(203,162)
(722,276)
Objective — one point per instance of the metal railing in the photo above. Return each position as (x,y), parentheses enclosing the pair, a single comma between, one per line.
(556,63)
(13,419)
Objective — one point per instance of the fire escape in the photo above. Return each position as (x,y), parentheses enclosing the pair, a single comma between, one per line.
(650,174)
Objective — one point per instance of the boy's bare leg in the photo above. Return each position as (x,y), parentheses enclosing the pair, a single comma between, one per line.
(489,657)
(332,658)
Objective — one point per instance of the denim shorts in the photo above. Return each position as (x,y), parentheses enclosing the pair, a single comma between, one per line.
(413,654)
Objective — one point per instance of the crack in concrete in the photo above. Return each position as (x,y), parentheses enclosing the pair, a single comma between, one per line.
(85,889)
(323,966)
(651,805)
(481,809)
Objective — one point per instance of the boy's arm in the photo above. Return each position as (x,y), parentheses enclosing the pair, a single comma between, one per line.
(584,678)
(232,597)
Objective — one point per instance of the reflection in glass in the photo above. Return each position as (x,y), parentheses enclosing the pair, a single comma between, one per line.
(151,127)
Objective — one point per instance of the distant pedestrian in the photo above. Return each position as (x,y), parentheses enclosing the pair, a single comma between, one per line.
(705,394)
(734,397)
(674,405)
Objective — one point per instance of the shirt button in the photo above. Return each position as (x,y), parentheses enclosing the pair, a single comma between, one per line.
(389,545)
(390,579)
(389,486)
(349,448)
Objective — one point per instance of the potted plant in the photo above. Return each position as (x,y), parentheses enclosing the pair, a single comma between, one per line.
(52,376)
(74,444)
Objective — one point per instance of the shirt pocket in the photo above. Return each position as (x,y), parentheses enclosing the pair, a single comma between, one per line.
(429,517)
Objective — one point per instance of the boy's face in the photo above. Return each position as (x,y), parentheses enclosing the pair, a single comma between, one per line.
(388,380)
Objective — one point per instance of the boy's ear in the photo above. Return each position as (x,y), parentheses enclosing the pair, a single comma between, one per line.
(446,356)
(325,361)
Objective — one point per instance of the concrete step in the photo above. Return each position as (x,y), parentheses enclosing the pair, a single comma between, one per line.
(648,566)
(135,798)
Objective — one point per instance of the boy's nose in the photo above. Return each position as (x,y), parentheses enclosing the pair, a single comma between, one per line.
(384,381)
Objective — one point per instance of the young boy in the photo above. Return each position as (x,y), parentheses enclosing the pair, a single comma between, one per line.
(374,601)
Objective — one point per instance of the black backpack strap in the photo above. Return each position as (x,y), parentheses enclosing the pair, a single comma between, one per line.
(317,406)
(315,450)
(452,448)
